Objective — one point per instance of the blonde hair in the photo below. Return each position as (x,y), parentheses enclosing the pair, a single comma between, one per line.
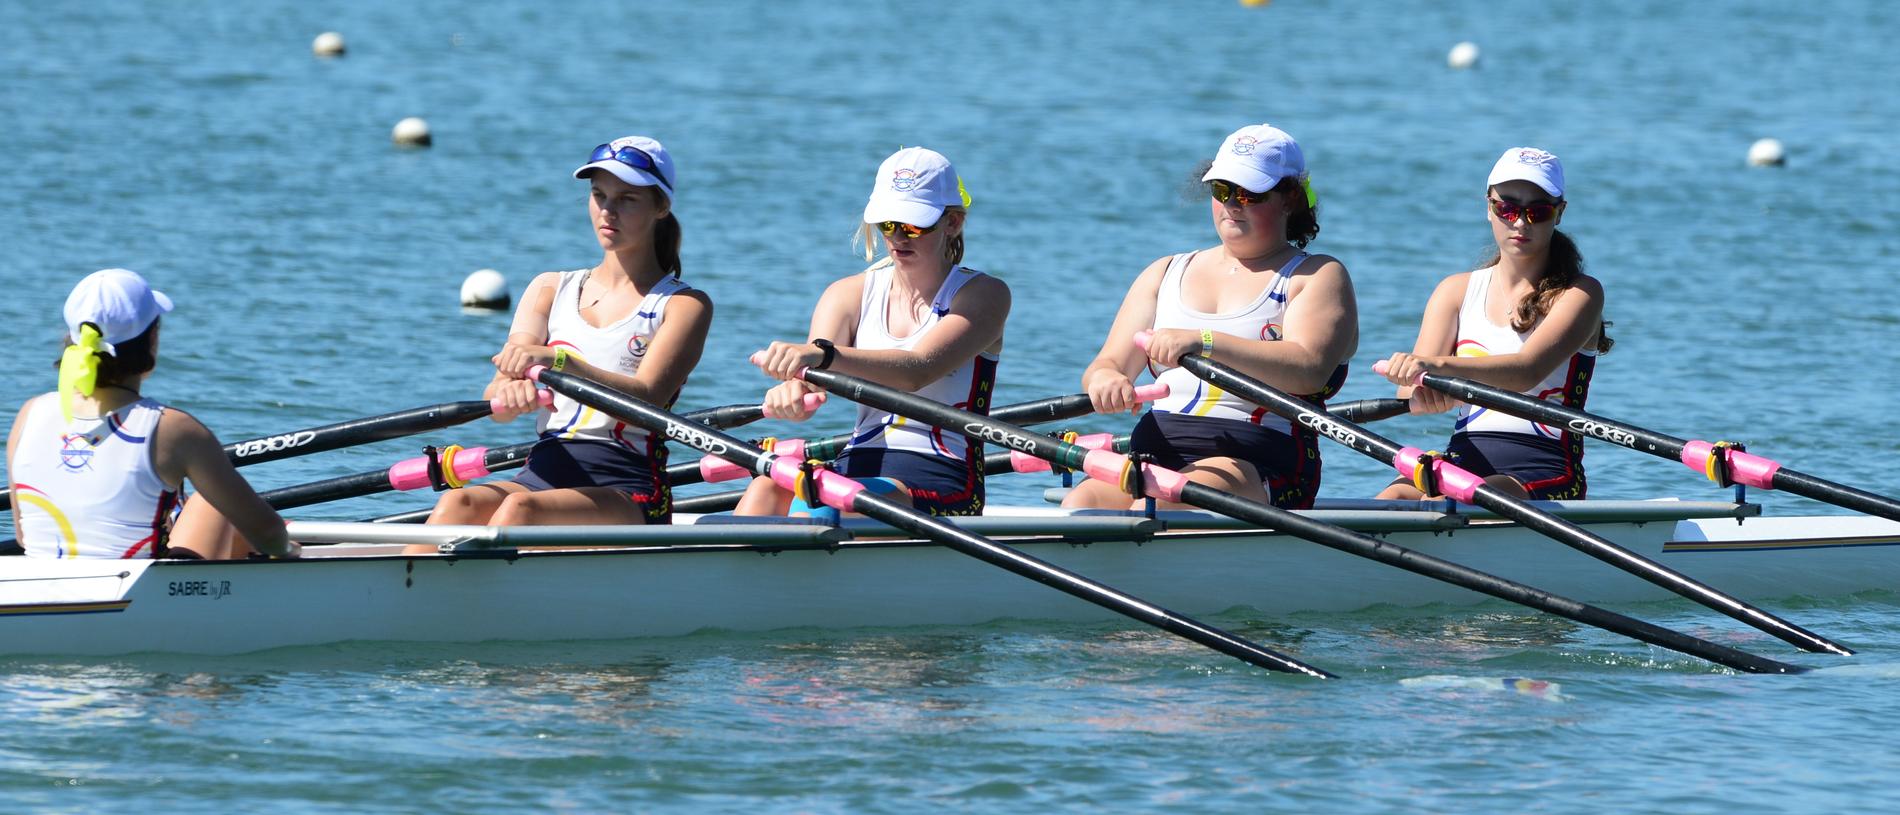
(866,239)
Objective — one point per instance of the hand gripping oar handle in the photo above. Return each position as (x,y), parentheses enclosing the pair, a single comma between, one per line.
(1464,486)
(813,401)
(1719,462)
(843,493)
(1163,483)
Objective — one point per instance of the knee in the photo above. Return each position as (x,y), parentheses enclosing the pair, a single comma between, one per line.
(457,507)
(519,509)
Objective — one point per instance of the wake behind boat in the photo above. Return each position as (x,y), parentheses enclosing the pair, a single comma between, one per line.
(718,572)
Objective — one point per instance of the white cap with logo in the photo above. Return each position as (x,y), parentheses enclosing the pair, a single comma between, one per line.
(1258,157)
(1529,164)
(118,301)
(637,160)
(913,187)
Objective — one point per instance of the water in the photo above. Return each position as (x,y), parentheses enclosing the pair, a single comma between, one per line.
(316,269)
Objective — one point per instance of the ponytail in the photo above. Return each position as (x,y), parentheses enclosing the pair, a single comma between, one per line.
(666,244)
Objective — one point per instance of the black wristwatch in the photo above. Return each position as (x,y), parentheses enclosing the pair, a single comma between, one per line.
(831,353)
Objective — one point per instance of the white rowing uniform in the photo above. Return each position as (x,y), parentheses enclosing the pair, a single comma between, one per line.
(89,488)
(1479,337)
(968,387)
(1263,318)
(618,347)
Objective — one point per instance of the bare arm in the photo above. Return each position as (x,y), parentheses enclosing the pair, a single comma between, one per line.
(1437,338)
(1109,378)
(973,324)
(526,336)
(1572,321)
(188,451)
(13,440)
(1321,331)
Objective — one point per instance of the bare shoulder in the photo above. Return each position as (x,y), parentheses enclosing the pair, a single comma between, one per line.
(1320,266)
(176,427)
(1588,285)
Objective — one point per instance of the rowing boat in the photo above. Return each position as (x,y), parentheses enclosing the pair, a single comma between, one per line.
(720,572)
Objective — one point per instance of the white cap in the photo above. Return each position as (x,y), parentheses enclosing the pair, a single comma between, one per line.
(118,301)
(1257,157)
(1529,164)
(637,176)
(913,186)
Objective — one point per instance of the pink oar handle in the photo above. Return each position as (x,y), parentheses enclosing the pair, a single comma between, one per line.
(1743,467)
(715,469)
(464,465)
(1383,365)
(1024,463)
(812,402)
(1454,482)
(545,397)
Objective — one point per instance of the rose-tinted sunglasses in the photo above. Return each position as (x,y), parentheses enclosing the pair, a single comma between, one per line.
(890,228)
(1227,192)
(1536,212)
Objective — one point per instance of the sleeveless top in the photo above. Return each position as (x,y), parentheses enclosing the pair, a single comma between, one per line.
(968,387)
(618,347)
(1479,337)
(1262,318)
(88,488)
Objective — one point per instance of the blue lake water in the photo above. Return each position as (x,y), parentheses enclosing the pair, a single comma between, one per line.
(316,268)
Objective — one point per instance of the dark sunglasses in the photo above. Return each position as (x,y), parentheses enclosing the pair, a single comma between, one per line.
(890,228)
(1227,192)
(631,156)
(1535,213)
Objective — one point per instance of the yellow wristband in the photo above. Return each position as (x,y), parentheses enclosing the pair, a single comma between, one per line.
(1207,342)
(560,358)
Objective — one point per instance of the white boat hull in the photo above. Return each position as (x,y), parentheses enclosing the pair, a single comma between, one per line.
(372,592)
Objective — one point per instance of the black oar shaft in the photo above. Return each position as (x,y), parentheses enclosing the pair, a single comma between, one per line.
(760,462)
(1649,441)
(1069,455)
(1491,498)
(355,432)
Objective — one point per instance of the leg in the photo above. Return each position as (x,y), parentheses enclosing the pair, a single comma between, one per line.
(1230,475)
(203,531)
(764,497)
(1093,494)
(468,505)
(580,505)
(1508,485)
(1400,490)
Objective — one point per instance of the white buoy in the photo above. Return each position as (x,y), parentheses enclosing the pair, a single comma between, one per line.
(411,132)
(1767,153)
(1463,55)
(328,44)
(485,288)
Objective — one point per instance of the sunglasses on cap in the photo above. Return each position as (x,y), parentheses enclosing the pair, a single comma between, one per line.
(631,156)
(1227,192)
(890,228)
(1533,213)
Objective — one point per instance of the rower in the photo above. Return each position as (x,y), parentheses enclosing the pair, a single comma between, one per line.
(1258,302)
(917,320)
(96,468)
(629,322)
(1527,319)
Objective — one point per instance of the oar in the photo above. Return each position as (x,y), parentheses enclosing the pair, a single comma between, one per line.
(843,493)
(1720,462)
(344,434)
(1168,485)
(1370,410)
(1460,485)
(1050,409)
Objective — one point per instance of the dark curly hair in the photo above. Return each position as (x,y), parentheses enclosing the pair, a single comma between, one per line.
(129,359)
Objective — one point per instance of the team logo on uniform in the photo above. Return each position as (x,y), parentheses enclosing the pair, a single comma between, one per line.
(904,180)
(75,452)
(1270,331)
(1244,146)
(637,345)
